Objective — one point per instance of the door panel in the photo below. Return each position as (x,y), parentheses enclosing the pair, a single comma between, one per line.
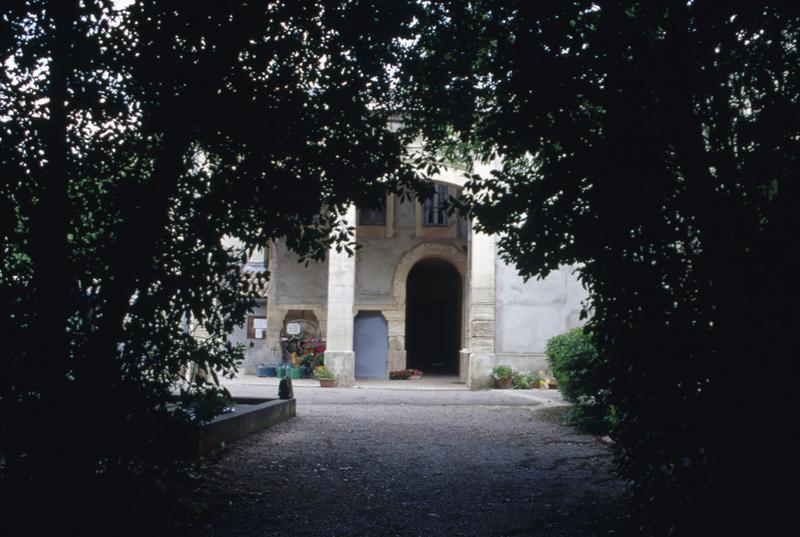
(371,344)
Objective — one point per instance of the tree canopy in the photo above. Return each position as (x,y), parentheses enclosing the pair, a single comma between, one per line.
(655,145)
(135,137)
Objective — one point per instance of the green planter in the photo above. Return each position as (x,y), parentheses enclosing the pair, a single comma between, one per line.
(281,372)
(295,373)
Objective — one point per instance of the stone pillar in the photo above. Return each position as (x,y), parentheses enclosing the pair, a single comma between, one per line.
(481,356)
(339,356)
(396,319)
(274,313)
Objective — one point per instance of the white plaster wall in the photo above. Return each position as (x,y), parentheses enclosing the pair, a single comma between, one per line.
(528,313)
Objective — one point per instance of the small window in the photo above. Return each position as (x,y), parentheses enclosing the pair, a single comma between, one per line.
(258,260)
(434,213)
(372,217)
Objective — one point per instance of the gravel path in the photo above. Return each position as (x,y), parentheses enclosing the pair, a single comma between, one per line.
(375,463)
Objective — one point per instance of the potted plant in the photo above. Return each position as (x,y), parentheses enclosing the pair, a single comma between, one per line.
(400,374)
(502,375)
(524,380)
(414,374)
(313,352)
(547,381)
(325,377)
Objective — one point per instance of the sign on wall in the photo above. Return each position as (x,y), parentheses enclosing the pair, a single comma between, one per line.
(256,327)
(293,329)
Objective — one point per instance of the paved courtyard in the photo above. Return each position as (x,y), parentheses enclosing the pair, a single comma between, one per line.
(442,462)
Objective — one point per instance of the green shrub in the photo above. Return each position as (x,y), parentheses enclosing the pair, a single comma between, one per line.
(583,377)
(501,371)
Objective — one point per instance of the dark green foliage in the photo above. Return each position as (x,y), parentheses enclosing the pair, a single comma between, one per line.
(584,378)
(573,360)
(657,144)
(132,140)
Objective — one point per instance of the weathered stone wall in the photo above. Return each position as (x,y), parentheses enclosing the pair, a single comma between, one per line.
(383,263)
(292,287)
(256,353)
(504,320)
(381,269)
(377,259)
(296,283)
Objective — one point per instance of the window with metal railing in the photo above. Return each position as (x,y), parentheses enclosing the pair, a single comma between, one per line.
(434,209)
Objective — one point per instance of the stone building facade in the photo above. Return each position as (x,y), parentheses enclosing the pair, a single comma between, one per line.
(425,290)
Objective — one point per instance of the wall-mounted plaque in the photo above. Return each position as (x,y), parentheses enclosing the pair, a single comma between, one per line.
(293,329)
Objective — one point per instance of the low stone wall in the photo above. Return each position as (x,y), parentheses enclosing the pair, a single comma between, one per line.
(523,362)
(245,420)
(479,365)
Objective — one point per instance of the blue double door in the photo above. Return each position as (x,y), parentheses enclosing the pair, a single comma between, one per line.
(371,344)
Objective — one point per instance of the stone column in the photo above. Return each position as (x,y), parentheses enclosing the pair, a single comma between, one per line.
(396,319)
(339,356)
(481,310)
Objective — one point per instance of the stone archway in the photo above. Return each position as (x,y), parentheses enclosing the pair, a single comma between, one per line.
(397,316)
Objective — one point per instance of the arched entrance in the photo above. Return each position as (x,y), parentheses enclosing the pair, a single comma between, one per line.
(433,317)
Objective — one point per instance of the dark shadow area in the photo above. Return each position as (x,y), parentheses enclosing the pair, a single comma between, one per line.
(433,317)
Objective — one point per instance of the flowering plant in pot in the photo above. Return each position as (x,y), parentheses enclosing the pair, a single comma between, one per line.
(415,374)
(325,377)
(525,380)
(502,375)
(400,374)
(313,353)
(547,381)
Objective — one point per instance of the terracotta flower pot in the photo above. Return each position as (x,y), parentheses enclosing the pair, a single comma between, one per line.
(503,384)
(327,383)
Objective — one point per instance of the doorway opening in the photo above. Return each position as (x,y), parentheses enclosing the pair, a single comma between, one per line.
(433,317)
